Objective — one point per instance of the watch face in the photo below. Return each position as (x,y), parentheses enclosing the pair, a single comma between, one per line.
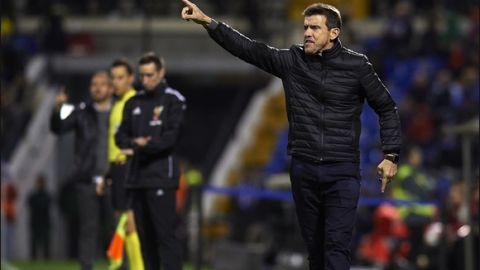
(393,158)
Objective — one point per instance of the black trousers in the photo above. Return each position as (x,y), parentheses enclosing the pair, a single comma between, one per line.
(93,211)
(326,198)
(39,241)
(118,174)
(155,217)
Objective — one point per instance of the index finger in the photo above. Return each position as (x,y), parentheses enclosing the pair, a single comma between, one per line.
(384,183)
(188,3)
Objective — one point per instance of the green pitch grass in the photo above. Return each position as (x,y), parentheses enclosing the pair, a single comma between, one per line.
(65,265)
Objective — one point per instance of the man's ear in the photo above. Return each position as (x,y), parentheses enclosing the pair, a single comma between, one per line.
(162,72)
(334,33)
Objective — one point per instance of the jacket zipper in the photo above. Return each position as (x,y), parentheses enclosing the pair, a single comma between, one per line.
(170,167)
(322,114)
(322,119)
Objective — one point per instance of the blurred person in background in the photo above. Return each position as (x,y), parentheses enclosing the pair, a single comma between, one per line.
(121,72)
(9,212)
(399,30)
(149,133)
(412,183)
(39,203)
(456,223)
(387,244)
(326,86)
(89,122)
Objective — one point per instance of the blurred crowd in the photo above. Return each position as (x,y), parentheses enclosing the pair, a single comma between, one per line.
(433,74)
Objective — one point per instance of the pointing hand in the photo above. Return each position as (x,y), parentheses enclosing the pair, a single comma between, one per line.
(386,171)
(192,12)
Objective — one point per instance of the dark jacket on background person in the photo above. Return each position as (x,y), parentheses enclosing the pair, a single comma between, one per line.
(325,94)
(83,121)
(157,114)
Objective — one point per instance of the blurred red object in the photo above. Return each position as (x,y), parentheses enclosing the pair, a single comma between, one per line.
(9,197)
(81,44)
(387,241)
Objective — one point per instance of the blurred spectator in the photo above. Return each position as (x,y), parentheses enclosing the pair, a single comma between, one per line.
(15,98)
(457,229)
(399,32)
(81,44)
(39,204)
(9,212)
(440,97)
(387,245)
(12,58)
(468,96)
(413,184)
(420,89)
(429,40)
(89,122)
(14,115)
(420,128)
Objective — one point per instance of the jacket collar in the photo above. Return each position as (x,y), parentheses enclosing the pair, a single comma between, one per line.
(326,54)
(159,90)
(332,52)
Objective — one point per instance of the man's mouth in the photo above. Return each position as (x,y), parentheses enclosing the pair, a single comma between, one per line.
(309,42)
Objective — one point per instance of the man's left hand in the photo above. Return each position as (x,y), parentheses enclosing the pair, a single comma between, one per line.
(142,141)
(386,170)
(100,187)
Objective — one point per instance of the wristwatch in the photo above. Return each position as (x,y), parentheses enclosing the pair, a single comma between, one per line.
(392,157)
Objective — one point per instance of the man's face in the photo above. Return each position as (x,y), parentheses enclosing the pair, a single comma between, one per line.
(100,87)
(151,76)
(122,81)
(316,36)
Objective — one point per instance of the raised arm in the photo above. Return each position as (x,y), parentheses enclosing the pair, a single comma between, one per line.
(272,60)
(58,123)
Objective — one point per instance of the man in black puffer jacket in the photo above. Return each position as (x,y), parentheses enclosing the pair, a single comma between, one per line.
(326,86)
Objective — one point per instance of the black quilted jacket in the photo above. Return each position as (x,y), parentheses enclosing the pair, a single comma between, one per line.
(157,114)
(83,122)
(324,95)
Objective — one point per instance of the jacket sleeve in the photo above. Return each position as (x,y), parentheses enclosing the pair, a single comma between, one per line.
(124,134)
(379,98)
(272,60)
(60,126)
(168,138)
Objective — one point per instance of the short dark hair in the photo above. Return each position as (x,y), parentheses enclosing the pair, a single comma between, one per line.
(151,57)
(123,62)
(334,19)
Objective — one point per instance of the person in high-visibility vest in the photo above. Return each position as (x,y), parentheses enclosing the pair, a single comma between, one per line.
(413,184)
(122,75)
